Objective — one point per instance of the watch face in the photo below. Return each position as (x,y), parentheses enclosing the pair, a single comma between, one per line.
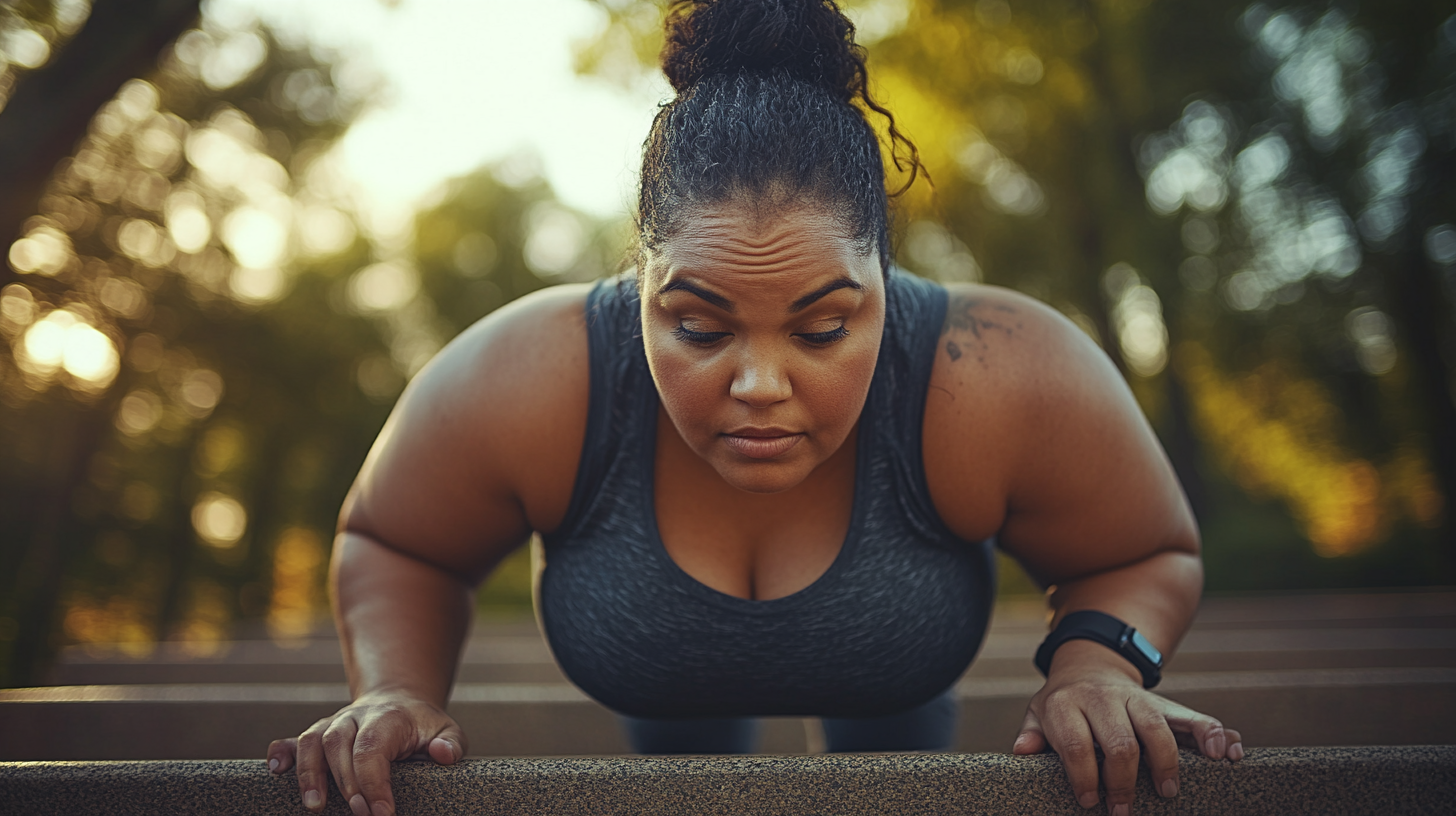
(1142,645)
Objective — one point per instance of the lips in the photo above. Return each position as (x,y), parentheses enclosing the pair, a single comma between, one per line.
(761,443)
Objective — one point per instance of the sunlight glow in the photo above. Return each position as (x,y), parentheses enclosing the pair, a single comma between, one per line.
(62,340)
(24,46)
(44,251)
(255,237)
(471,83)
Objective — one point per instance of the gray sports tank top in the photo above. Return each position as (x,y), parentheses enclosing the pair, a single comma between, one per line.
(894,621)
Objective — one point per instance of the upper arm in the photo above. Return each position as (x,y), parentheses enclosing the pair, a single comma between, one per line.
(483,445)
(1037,439)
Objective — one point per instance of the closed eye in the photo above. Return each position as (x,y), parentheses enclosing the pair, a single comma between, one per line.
(826,337)
(697,338)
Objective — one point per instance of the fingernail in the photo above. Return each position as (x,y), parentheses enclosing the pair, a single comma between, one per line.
(1215,746)
(1088,800)
(1236,753)
(1170,788)
(272,766)
(311,799)
(1120,810)
(382,809)
(358,805)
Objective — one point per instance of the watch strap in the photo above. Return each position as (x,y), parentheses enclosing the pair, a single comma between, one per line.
(1115,634)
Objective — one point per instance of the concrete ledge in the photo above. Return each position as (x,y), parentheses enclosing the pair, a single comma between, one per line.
(1406,780)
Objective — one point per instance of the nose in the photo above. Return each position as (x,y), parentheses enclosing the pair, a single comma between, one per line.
(760,381)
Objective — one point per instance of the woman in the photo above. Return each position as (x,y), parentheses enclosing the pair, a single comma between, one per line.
(767,468)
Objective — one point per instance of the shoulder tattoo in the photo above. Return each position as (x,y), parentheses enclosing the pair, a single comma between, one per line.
(970,319)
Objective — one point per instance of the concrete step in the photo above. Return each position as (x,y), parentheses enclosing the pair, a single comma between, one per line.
(506,653)
(526,659)
(1284,708)
(1286,782)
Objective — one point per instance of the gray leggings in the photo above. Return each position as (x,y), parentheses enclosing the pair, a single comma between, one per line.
(930,727)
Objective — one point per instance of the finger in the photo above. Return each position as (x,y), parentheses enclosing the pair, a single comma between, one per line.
(280,754)
(1113,731)
(339,748)
(1236,745)
(448,746)
(313,784)
(1160,750)
(1069,735)
(382,738)
(1209,736)
(1031,740)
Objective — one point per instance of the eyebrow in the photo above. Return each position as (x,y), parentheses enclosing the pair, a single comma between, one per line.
(712,297)
(833,286)
(727,305)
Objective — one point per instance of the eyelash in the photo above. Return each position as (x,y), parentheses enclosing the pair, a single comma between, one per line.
(825,338)
(687,335)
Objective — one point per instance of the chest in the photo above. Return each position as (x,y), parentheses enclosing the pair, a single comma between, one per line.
(747,545)
(895,618)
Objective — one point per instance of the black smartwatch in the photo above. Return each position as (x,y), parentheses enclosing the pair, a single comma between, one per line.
(1101,627)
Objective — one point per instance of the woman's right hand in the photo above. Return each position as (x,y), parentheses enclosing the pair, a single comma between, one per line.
(357,745)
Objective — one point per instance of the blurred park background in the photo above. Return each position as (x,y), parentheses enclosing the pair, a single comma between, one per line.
(232,232)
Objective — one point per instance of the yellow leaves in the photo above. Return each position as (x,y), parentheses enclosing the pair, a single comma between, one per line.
(1277,434)
(205,620)
(934,126)
(625,50)
(297,599)
(121,623)
(1067,86)
(1411,486)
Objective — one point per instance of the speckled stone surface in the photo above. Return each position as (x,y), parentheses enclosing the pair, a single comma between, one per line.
(1383,780)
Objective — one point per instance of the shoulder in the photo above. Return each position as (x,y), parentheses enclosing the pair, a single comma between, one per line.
(1016,390)
(993,335)
(483,444)
(1011,361)
(530,352)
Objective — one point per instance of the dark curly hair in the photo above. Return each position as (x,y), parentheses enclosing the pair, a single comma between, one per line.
(770,113)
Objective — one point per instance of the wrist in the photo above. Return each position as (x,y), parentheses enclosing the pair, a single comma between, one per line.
(1081,658)
(1105,630)
(397,694)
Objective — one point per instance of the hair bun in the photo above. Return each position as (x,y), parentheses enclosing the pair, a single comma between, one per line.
(810,40)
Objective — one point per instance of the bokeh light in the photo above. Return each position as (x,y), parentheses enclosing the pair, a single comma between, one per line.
(382,287)
(64,340)
(219,520)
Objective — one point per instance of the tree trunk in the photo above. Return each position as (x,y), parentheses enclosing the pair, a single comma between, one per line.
(1422,314)
(53,105)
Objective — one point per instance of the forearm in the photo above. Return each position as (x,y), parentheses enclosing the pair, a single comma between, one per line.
(401,621)
(1158,595)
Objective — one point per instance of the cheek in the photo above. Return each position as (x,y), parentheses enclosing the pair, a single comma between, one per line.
(835,391)
(690,387)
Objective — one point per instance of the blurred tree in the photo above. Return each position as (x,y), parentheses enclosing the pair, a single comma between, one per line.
(48,113)
(189,385)
(202,345)
(1315,211)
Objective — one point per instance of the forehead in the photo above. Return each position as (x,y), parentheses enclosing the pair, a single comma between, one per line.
(733,242)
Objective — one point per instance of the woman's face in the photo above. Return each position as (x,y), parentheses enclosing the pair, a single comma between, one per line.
(762,336)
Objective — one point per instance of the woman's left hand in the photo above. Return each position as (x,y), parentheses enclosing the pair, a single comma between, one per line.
(1093,698)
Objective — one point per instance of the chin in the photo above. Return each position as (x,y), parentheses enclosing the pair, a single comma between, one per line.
(761,477)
